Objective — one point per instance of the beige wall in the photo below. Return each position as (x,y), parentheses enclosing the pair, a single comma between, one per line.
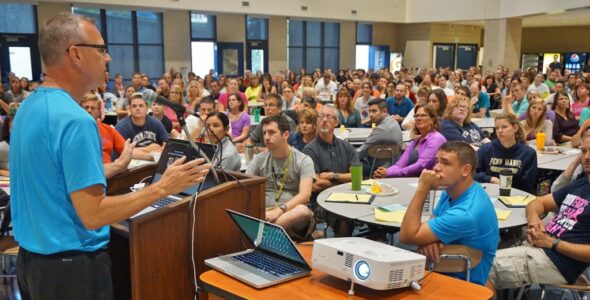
(46,11)
(177,40)
(414,42)
(347,44)
(384,34)
(456,33)
(555,39)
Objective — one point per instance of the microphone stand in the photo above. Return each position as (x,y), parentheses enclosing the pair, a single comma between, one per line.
(182,123)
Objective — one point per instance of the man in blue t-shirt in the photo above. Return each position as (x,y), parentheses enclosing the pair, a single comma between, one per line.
(559,251)
(146,131)
(399,106)
(60,213)
(464,214)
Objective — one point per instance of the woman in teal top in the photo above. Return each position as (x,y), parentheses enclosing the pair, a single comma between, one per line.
(347,114)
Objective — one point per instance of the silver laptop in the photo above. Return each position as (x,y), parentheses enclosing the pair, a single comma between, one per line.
(274,258)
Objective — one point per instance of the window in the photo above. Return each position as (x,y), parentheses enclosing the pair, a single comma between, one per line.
(17,18)
(203,37)
(364,39)
(313,45)
(256,29)
(364,34)
(134,39)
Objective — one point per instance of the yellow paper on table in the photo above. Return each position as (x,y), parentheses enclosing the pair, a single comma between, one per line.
(348,197)
(516,200)
(503,214)
(389,216)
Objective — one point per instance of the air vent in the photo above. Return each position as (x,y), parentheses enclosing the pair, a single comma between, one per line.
(353,12)
(348,261)
(245,3)
(304,8)
(395,276)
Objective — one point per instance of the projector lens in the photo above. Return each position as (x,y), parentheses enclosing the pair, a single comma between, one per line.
(362,270)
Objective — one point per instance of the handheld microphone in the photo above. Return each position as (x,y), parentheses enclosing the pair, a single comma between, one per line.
(178,108)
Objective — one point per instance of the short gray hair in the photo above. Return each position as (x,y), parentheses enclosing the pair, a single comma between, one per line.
(58,33)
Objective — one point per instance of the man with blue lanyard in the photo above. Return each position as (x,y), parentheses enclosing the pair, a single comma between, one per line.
(60,212)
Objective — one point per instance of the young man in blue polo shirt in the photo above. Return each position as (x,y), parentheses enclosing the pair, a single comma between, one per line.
(464,214)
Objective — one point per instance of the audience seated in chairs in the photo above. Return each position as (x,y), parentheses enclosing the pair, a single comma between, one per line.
(239,119)
(456,123)
(565,125)
(348,116)
(536,121)
(463,215)
(361,104)
(5,146)
(386,132)
(560,250)
(332,158)
(509,151)
(306,130)
(289,178)
(420,153)
(113,144)
(227,156)
(399,105)
(272,107)
(146,132)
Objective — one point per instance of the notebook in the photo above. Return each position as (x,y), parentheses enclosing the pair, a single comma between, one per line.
(174,150)
(274,258)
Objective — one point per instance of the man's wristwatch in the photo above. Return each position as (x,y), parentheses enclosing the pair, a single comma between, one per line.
(554,244)
(335,176)
(284,208)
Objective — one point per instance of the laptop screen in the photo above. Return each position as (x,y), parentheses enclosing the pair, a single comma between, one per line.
(267,236)
(176,149)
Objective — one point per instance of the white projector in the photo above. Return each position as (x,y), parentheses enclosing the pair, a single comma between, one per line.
(368,263)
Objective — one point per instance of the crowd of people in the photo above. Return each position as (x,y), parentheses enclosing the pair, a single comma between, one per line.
(300,156)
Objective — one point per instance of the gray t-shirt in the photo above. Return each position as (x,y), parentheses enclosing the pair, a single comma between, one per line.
(387,132)
(300,167)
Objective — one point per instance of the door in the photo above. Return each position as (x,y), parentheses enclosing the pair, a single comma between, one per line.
(466,56)
(378,57)
(257,56)
(19,54)
(444,55)
(230,59)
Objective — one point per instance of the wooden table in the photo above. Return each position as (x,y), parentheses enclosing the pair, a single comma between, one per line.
(319,285)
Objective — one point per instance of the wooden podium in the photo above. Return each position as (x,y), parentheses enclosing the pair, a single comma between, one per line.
(151,255)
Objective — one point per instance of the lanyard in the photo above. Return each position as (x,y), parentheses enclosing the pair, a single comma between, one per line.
(285,172)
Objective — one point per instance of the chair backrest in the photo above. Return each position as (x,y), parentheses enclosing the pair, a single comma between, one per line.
(383,151)
(5,223)
(457,258)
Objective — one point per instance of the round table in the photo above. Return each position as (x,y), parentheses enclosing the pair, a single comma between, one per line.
(407,186)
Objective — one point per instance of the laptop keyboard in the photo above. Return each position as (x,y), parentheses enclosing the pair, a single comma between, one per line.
(267,264)
(163,202)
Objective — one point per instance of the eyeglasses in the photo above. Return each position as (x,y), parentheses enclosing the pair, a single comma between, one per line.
(329,117)
(421,116)
(270,105)
(101,48)
(461,107)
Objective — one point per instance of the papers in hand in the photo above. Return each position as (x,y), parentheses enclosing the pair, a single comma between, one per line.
(137,163)
(503,214)
(519,201)
(390,213)
(350,198)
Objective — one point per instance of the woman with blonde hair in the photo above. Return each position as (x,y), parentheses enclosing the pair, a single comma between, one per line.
(305,82)
(175,97)
(508,152)
(306,129)
(193,93)
(536,121)
(456,123)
